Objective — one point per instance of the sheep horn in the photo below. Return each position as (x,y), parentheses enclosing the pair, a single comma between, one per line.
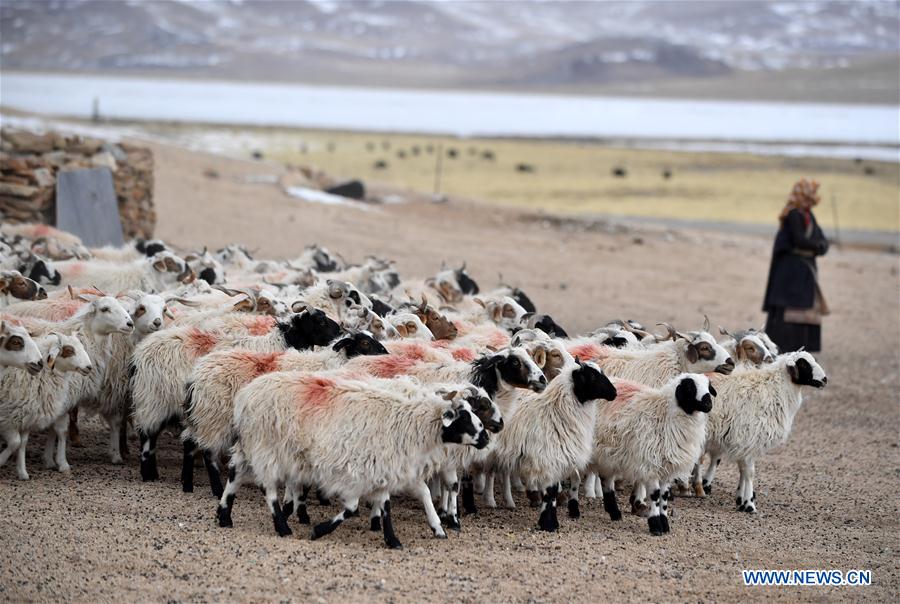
(182,301)
(724,332)
(638,332)
(705,323)
(424,305)
(463,267)
(673,335)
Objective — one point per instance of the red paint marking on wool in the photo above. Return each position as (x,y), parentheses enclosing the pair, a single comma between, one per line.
(462,328)
(464,354)
(441,344)
(260,325)
(625,389)
(498,339)
(317,391)
(43,230)
(586,352)
(75,269)
(199,343)
(66,309)
(391,365)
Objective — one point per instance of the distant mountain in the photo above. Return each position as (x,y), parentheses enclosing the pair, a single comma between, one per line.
(558,44)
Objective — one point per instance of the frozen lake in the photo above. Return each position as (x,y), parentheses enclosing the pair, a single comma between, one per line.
(848,128)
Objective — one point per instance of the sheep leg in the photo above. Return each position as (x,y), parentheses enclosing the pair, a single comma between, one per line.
(278,519)
(149,470)
(382,501)
(517,484)
(349,509)
(508,501)
(434,484)
(450,515)
(375,517)
(60,431)
(714,460)
(74,434)
(434,522)
(488,495)
(50,448)
(696,481)
(610,505)
(639,505)
(187,466)
(548,521)
(654,521)
(479,483)
(115,433)
(666,498)
(574,487)
(590,486)
(468,495)
(123,437)
(13,441)
(20,457)
(237,470)
(214,474)
(748,502)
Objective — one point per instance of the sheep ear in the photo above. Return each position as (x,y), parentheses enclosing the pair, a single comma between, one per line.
(712,390)
(51,356)
(449,396)
(168,313)
(342,344)
(691,353)
(540,356)
(298,306)
(402,330)
(160,266)
(87,297)
(497,313)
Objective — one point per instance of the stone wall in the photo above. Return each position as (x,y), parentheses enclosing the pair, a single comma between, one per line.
(30,162)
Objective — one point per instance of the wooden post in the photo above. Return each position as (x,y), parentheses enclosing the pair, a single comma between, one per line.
(439,164)
(837,228)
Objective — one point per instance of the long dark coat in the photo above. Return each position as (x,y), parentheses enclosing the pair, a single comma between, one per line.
(791,282)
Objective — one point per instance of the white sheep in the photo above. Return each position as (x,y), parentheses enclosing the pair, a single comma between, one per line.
(550,435)
(754,413)
(17,349)
(650,436)
(216,378)
(163,361)
(34,403)
(157,273)
(351,438)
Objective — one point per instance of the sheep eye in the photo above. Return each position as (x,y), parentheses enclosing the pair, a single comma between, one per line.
(15,343)
(515,362)
(67,351)
(139,312)
(105,309)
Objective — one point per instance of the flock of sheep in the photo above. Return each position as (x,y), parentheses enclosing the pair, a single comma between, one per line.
(317,374)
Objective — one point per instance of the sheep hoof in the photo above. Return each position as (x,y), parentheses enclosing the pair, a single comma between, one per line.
(439,533)
(707,487)
(302,516)
(664,523)
(65,468)
(116,460)
(393,543)
(375,524)
(287,508)
(699,491)
(655,524)
(223,515)
(24,476)
(574,511)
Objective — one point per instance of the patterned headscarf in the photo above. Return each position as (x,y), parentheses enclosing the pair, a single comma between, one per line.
(804,196)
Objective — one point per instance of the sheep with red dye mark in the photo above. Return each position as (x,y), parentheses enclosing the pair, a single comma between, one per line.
(353,439)
(162,362)
(215,378)
(650,435)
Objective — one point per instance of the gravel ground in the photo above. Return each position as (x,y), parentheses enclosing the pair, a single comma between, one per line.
(828,499)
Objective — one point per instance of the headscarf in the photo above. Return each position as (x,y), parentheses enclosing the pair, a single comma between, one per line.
(803,197)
